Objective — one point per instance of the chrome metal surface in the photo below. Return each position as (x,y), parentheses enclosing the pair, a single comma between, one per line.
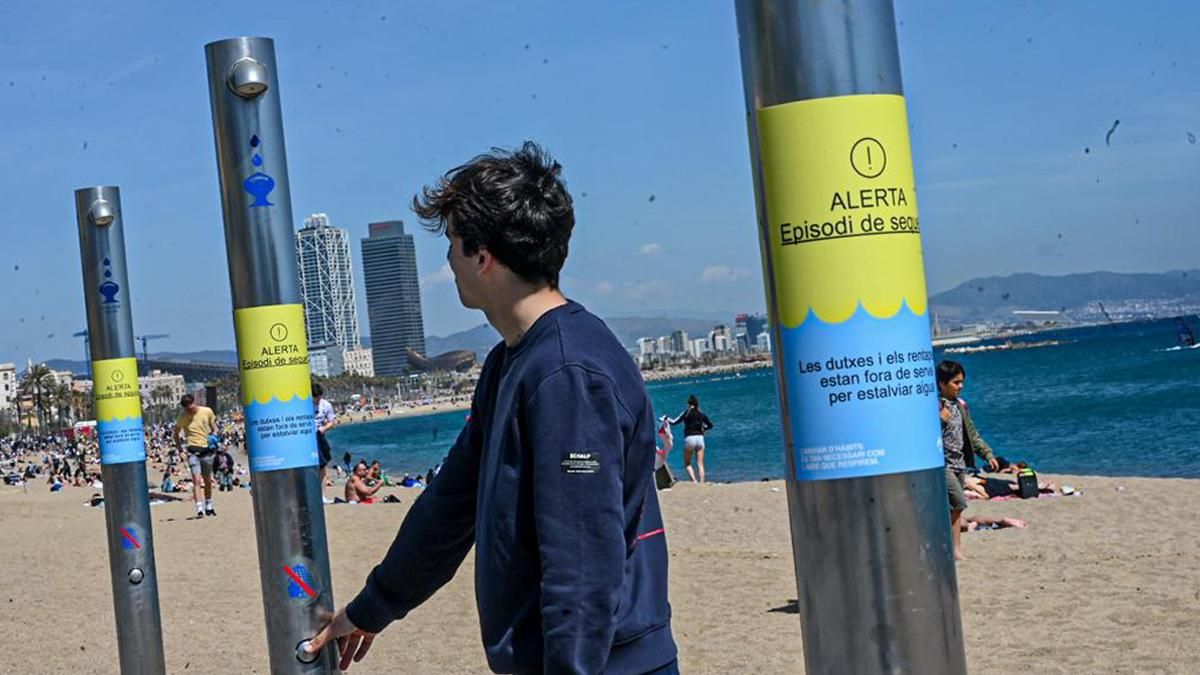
(248,78)
(101,213)
(126,493)
(256,204)
(303,655)
(110,325)
(873,562)
(259,241)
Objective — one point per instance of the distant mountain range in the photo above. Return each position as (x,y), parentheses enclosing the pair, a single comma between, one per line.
(996,298)
(479,339)
(979,300)
(228,356)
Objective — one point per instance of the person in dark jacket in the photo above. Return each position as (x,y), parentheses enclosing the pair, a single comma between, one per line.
(695,425)
(551,478)
(225,467)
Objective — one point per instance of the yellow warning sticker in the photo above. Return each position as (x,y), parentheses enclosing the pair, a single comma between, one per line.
(272,353)
(841,208)
(115,388)
(118,411)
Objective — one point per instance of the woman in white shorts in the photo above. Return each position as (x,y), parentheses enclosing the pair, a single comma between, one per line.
(695,424)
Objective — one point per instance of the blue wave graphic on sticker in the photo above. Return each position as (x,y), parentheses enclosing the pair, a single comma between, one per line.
(121,440)
(281,434)
(862,396)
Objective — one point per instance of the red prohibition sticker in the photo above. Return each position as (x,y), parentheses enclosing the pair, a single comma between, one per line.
(299,578)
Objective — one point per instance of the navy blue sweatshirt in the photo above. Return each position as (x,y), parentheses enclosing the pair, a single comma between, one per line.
(551,480)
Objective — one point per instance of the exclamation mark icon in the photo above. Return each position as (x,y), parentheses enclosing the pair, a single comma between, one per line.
(868,158)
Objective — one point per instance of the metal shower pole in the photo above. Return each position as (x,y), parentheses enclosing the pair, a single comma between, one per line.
(268,317)
(119,430)
(845,286)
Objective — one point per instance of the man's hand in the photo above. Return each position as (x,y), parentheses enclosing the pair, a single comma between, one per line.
(993,464)
(943,411)
(353,643)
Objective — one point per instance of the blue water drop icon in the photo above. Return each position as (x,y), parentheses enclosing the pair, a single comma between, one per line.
(107,274)
(257,161)
(109,291)
(254,141)
(259,185)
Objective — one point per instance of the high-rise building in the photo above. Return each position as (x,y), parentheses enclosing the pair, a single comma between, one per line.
(327,283)
(679,341)
(647,346)
(393,296)
(763,342)
(720,338)
(746,328)
(755,324)
(8,385)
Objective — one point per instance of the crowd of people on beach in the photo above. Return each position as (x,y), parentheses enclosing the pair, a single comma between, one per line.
(57,460)
(193,455)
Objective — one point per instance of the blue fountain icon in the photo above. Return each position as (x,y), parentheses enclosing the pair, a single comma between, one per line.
(109,290)
(259,185)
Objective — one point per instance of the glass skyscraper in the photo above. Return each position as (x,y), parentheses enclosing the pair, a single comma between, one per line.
(393,296)
(327,283)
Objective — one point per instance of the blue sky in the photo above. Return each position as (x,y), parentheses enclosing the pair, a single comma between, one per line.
(636,99)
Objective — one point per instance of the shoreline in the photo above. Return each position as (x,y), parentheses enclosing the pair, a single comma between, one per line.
(415,411)
(677,373)
(659,375)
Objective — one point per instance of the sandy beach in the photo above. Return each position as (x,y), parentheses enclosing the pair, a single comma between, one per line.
(354,417)
(1107,582)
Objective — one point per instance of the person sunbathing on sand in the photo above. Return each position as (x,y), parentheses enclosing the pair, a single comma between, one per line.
(972,523)
(990,488)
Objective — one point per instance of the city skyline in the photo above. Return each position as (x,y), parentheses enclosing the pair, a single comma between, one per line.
(1046,139)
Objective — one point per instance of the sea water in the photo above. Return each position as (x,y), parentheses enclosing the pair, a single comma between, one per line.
(1110,400)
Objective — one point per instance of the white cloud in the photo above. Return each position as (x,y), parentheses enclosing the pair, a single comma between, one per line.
(651,249)
(722,273)
(442,276)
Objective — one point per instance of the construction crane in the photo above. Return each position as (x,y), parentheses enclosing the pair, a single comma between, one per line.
(87,351)
(145,352)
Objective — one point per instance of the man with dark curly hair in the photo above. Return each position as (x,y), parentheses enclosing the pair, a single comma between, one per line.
(551,478)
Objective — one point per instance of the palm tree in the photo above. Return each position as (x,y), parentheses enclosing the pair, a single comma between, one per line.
(158,408)
(63,398)
(81,401)
(38,380)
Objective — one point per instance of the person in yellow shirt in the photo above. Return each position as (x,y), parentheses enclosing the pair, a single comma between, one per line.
(192,432)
